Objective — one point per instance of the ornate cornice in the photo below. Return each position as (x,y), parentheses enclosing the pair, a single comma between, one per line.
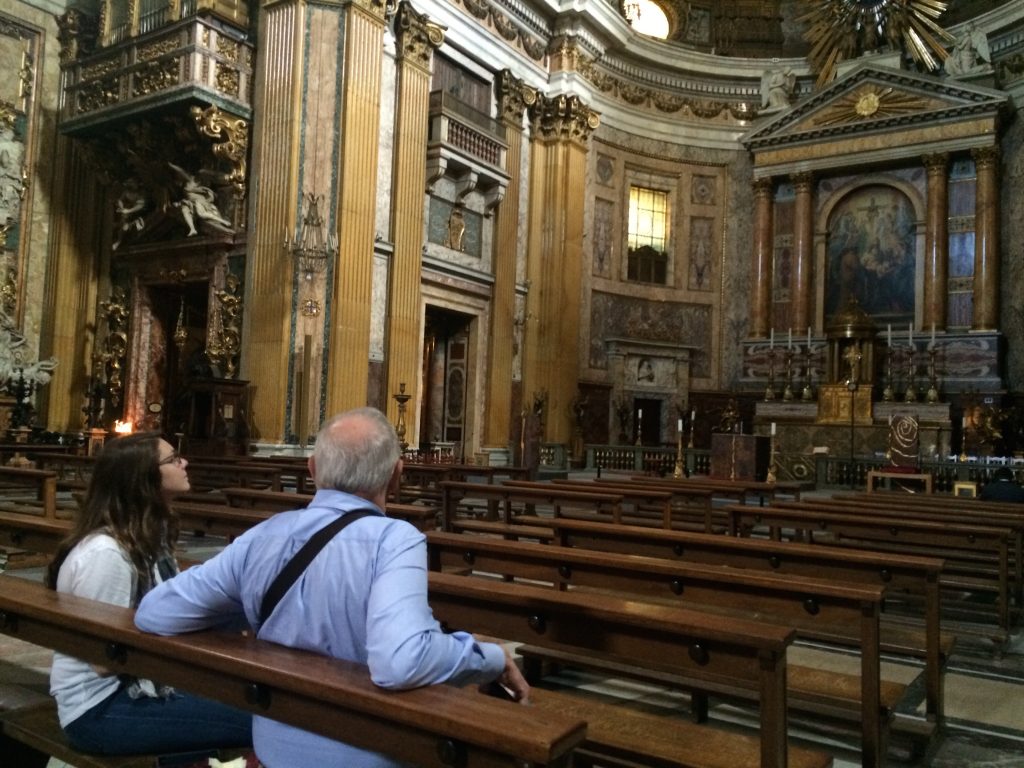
(563,117)
(417,36)
(508,28)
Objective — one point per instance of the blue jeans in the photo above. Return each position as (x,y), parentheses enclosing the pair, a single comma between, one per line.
(121,725)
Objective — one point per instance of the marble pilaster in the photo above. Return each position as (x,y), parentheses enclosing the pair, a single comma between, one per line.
(986,240)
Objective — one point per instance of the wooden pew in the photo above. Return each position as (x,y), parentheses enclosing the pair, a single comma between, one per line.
(422,481)
(638,502)
(740,490)
(905,576)
(509,500)
(32,532)
(952,508)
(207,475)
(688,504)
(976,557)
(31,491)
(847,615)
(435,726)
(73,471)
(712,651)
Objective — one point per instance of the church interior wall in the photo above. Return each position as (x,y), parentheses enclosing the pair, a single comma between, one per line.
(1012,225)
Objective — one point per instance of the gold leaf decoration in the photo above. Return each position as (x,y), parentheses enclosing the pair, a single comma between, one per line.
(843,29)
(871,102)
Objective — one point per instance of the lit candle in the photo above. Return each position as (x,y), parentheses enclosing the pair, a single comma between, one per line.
(888,335)
(771,339)
(910,334)
(773,429)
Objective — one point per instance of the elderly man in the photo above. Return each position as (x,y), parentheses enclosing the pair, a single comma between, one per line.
(362,598)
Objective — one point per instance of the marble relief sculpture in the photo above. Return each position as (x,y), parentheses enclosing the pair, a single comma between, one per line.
(198,205)
(971,54)
(16,364)
(777,87)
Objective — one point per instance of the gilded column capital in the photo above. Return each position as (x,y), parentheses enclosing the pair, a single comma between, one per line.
(763,187)
(514,96)
(76,33)
(985,158)
(936,163)
(563,117)
(802,181)
(417,36)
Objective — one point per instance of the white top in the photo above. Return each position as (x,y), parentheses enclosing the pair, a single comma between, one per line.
(97,568)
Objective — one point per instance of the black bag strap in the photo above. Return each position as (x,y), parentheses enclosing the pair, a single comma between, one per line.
(301,560)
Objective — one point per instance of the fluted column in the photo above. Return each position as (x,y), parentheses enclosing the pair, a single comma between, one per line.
(761,267)
(803,250)
(266,350)
(513,98)
(417,39)
(986,240)
(936,243)
(71,287)
(561,127)
(349,332)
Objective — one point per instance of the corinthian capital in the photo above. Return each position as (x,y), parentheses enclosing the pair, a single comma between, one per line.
(417,36)
(514,96)
(563,117)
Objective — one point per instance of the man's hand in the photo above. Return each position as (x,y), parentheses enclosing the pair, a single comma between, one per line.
(513,682)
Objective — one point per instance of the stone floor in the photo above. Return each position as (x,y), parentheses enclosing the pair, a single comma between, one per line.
(984,694)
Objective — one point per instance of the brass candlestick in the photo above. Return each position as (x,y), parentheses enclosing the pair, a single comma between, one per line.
(769,393)
(402,399)
(911,395)
(933,378)
(787,391)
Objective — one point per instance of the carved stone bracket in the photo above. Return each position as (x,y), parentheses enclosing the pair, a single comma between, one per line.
(233,133)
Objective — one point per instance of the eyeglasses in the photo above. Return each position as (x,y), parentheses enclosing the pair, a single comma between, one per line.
(174,458)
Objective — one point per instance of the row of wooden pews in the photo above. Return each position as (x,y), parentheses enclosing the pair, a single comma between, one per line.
(434,726)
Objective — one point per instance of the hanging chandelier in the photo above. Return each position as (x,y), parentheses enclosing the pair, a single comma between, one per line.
(311,249)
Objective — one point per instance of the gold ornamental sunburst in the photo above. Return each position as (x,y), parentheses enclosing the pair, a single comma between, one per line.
(843,29)
(870,102)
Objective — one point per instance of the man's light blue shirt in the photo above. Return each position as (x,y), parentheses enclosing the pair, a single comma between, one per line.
(364,598)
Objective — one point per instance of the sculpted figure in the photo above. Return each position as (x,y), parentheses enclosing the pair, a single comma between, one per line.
(199,204)
(970,55)
(777,88)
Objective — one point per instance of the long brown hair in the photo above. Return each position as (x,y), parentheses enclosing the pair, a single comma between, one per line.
(124,499)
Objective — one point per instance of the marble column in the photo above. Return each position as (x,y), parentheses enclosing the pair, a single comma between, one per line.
(560,130)
(936,243)
(761,266)
(417,38)
(803,251)
(986,240)
(352,291)
(514,96)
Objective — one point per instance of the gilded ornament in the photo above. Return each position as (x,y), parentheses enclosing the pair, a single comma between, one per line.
(867,104)
(871,102)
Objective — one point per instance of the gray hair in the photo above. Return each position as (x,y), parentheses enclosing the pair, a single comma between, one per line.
(356,452)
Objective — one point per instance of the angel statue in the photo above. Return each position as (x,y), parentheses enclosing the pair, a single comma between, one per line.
(971,53)
(199,203)
(777,89)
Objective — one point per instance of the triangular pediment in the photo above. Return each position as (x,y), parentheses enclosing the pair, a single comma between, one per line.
(875,107)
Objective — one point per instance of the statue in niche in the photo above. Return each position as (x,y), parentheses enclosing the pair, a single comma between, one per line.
(645,371)
(456,229)
(971,54)
(199,204)
(777,87)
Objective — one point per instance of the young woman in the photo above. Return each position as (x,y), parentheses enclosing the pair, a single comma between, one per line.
(121,545)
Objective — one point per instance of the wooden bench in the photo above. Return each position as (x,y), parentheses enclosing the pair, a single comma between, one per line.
(421,482)
(740,490)
(976,557)
(505,501)
(714,653)
(846,615)
(32,532)
(32,491)
(691,507)
(210,476)
(328,696)
(904,576)
(638,503)
(73,471)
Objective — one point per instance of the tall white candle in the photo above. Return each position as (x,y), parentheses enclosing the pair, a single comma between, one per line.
(773,429)
(789,344)
(808,337)
(679,425)
(888,335)
(640,413)
(933,334)
(693,415)
(910,334)
(771,339)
